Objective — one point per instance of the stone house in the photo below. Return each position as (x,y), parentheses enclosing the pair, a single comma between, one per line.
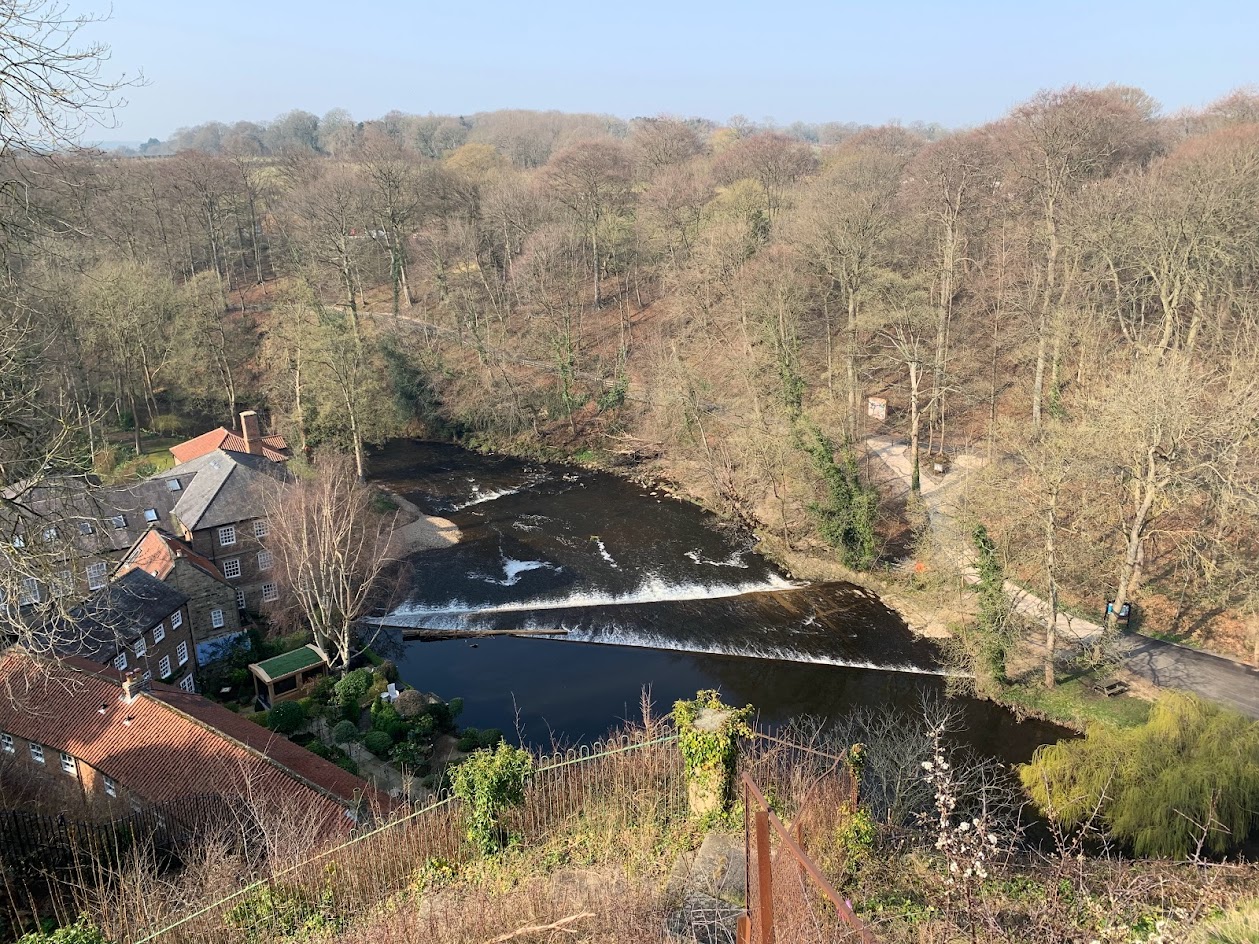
(220,514)
(137,623)
(212,604)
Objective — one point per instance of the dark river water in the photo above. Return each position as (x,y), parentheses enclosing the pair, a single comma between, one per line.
(651,591)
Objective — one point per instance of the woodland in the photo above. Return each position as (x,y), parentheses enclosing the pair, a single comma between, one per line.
(1067,293)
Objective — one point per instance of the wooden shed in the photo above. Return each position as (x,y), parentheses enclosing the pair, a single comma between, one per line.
(288,675)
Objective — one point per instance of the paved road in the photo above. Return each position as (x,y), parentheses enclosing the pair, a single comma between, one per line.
(1170,666)
(1165,664)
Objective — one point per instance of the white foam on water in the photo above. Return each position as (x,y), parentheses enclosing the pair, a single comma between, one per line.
(484,496)
(737,559)
(652,590)
(514,569)
(603,552)
(637,639)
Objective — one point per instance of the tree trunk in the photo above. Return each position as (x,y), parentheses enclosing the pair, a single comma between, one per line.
(1136,534)
(1051,569)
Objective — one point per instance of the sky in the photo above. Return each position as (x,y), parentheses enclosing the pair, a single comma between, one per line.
(949,61)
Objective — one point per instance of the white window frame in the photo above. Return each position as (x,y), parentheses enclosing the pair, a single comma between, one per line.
(188,683)
(6,742)
(86,528)
(266,560)
(159,633)
(110,787)
(229,565)
(217,620)
(227,535)
(151,515)
(141,648)
(97,575)
(163,667)
(261,528)
(270,593)
(177,619)
(181,653)
(30,591)
(240,598)
(50,533)
(37,752)
(68,764)
(118,522)
(120,661)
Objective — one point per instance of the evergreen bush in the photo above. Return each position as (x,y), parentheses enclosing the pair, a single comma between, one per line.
(378,742)
(286,717)
(344,732)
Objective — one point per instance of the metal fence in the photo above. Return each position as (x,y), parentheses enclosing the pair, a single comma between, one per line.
(790,896)
(640,778)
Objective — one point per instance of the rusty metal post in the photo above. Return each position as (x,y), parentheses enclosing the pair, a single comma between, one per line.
(765,878)
(743,933)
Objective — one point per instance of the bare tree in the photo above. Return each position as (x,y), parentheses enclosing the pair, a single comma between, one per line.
(333,554)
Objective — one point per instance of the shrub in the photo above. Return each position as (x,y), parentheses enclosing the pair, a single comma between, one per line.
(456,708)
(388,670)
(489,782)
(378,742)
(260,717)
(382,714)
(350,711)
(286,717)
(410,703)
(322,691)
(423,726)
(81,932)
(353,686)
(345,731)
(1154,786)
(347,764)
(319,749)
(409,754)
(470,740)
(490,737)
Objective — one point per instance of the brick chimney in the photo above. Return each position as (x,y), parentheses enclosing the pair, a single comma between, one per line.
(251,432)
(134,683)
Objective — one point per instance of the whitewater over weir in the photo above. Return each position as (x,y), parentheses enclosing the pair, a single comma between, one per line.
(600,560)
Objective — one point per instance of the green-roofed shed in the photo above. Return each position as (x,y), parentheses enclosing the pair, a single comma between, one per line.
(288,674)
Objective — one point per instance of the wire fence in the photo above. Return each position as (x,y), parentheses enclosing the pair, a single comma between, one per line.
(632,781)
(636,779)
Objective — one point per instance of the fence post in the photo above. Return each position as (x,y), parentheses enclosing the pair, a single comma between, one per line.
(765,878)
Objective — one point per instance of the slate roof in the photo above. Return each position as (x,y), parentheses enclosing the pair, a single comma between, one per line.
(221,488)
(177,745)
(156,553)
(72,502)
(273,448)
(116,615)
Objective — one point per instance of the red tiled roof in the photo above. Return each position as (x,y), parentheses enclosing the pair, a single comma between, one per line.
(177,745)
(275,447)
(156,553)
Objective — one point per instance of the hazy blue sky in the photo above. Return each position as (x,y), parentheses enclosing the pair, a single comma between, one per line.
(953,62)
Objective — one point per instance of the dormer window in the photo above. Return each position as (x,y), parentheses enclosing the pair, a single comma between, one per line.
(173,485)
(50,533)
(85,527)
(150,515)
(118,522)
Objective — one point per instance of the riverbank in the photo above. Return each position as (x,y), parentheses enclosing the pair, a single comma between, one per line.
(425,532)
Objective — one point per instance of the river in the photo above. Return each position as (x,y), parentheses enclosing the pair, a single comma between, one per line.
(650,591)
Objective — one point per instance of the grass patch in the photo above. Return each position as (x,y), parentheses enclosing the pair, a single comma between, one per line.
(1073,703)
